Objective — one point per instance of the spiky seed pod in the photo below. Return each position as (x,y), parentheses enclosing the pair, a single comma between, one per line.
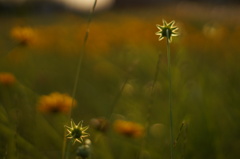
(77,132)
(167,27)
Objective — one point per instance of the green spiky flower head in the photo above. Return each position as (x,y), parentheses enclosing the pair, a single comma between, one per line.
(77,132)
(167,30)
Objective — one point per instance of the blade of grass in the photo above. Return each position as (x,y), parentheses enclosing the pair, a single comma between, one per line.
(21,142)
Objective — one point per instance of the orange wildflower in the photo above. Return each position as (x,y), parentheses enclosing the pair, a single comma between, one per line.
(23,35)
(127,128)
(55,103)
(7,78)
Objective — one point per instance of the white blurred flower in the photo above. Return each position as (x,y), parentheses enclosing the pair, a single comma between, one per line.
(86,5)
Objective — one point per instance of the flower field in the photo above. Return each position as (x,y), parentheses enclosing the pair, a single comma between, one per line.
(106,95)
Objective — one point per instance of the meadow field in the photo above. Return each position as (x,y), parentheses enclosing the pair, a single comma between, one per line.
(120,89)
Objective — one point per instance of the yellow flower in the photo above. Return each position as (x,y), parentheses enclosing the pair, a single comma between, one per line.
(23,35)
(167,30)
(77,132)
(56,103)
(7,79)
(129,129)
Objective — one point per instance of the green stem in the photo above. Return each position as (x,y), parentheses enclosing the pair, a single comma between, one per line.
(117,98)
(67,154)
(144,141)
(170,93)
(82,55)
(66,148)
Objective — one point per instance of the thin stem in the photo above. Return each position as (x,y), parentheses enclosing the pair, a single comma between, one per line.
(144,141)
(67,154)
(66,147)
(82,55)
(156,74)
(170,93)
(117,98)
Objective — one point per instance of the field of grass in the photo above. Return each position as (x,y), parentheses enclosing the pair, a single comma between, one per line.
(115,83)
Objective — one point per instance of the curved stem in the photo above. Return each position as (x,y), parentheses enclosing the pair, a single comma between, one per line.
(82,55)
(66,147)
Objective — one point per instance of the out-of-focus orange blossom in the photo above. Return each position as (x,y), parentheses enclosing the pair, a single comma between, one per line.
(23,35)
(7,79)
(55,103)
(109,32)
(128,128)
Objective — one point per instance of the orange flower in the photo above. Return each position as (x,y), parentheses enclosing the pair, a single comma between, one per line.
(127,128)
(7,78)
(55,103)
(24,35)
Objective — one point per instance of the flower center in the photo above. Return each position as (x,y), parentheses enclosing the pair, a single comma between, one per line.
(164,32)
(76,133)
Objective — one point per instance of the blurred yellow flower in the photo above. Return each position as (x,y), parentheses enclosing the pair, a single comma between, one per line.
(129,129)
(23,35)
(55,103)
(7,78)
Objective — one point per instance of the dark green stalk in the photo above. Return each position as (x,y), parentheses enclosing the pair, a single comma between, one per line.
(117,98)
(170,93)
(82,54)
(66,147)
(67,154)
(150,103)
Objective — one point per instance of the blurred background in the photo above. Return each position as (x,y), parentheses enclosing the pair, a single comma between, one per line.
(41,42)
(60,5)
